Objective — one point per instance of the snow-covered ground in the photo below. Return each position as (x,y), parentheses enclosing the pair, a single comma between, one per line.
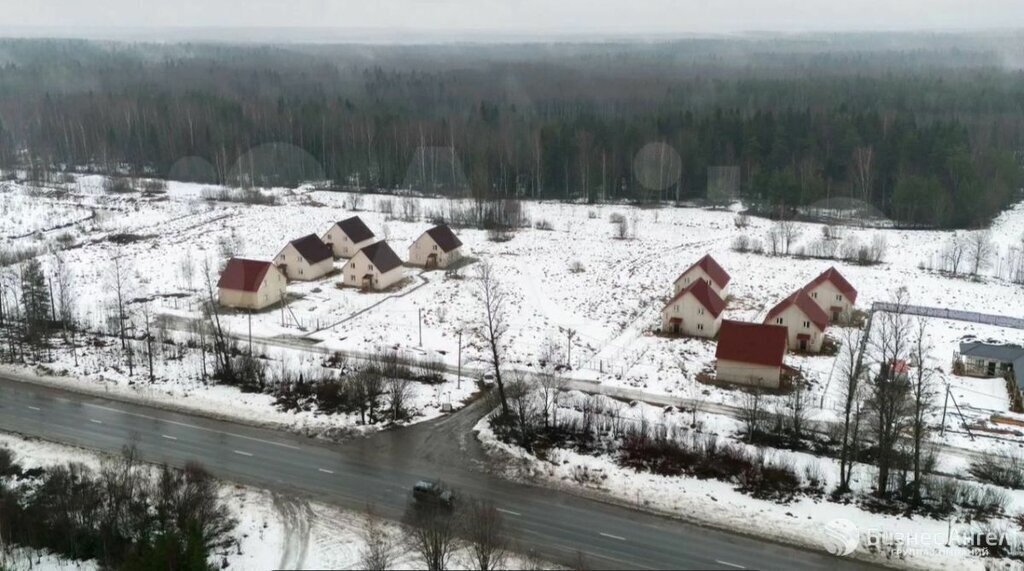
(274,531)
(613,305)
(809,520)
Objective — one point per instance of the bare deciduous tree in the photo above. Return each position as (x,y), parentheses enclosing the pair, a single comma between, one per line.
(486,535)
(953,253)
(922,393)
(493,324)
(378,552)
(796,411)
(979,250)
(432,531)
(120,285)
(863,171)
(850,369)
(753,413)
(399,391)
(887,401)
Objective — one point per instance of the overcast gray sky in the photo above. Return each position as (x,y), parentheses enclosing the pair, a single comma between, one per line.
(525,16)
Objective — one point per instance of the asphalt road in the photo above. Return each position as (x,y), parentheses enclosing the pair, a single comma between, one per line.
(381,469)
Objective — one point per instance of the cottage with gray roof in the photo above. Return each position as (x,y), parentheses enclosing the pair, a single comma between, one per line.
(307,258)
(348,236)
(981,359)
(375,267)
(438,247)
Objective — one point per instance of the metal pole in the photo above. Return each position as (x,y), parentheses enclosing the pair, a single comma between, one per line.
(421,325)
(945,404)
(250,333)
(458,383)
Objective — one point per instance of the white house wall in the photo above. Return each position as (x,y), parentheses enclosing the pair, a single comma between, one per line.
(748,373)
(697,321)
(826,296)
(298,269)
(796,323)
(341,245)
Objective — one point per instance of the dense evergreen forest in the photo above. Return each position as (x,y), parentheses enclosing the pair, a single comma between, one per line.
(927,129)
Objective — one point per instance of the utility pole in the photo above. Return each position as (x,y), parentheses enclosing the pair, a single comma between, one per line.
(570,334)
(420,312)
(250,333)
(458,383)
(945,404)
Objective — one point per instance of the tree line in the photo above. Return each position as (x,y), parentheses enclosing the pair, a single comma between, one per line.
(124,516)
(932,137)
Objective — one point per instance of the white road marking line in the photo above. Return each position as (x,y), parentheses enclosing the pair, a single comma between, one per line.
(243,453)
(326,471)
(94,421)
(509,512)
(720,562)
(608,535)
(34,408)
(167,437)
(186,425)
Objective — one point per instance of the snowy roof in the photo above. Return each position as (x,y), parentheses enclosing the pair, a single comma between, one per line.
(704,294)
(716,272)
(755,343)
(382,256)
(312,248)
(996,352)
(243,275)
(444,238)
(832,275)
(355,229)
(805,304)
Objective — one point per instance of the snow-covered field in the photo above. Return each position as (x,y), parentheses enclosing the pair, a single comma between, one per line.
(612,305)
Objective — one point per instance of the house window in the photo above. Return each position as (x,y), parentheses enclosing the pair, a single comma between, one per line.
(778,321)
(677,307)
(839,297)
(814,295)
(807,324)
(700,327)
(700,311)
(435,247)
(370,267)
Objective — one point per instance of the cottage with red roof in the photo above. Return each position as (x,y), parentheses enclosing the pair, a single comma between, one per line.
(695,311)
(438,247)
(750,354)
(708,270)
(348,236)
(250,284)
(374,267)
(307,258)
(833,294)
(805,321)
